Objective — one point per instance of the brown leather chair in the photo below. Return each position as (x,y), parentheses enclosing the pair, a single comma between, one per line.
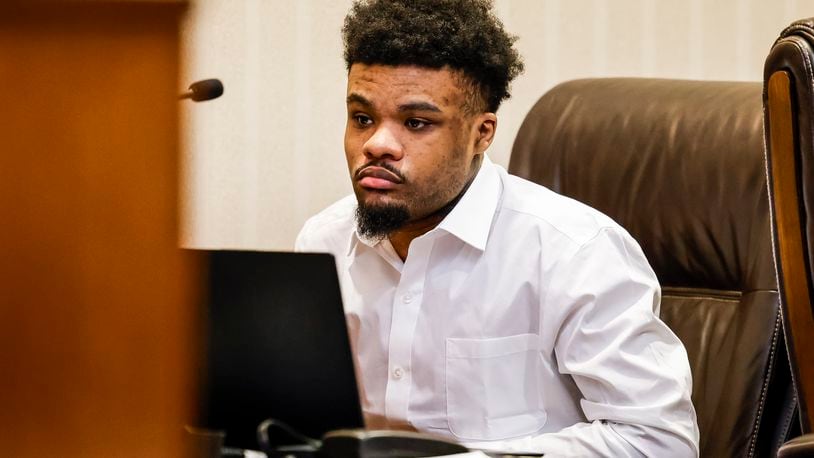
(789,125)
(680,165)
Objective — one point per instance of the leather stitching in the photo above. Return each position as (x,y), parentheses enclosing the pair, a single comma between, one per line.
(765,388)
(806,60)
(786,422)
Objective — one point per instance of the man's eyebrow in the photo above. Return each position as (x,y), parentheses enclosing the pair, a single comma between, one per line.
(419,106)
(356,98)
(410,106)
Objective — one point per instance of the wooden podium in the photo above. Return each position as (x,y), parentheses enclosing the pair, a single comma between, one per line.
(98,306)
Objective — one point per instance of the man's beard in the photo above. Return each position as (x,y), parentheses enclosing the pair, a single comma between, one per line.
(378,222)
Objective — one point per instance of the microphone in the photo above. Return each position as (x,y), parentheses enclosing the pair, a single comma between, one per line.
(200,91)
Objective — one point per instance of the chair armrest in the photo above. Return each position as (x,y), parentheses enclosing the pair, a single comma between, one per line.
(798,447)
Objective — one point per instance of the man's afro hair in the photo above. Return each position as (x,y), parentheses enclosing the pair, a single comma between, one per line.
(462,35)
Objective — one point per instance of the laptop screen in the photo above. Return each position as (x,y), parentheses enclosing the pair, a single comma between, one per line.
(277,346)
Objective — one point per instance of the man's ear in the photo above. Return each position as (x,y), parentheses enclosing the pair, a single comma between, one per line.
(486,124)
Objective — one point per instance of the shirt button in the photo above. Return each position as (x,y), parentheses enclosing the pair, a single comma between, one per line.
(407,298)
(398,373)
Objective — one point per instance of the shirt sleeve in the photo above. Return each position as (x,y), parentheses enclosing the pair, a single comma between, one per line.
(303,243)
(329,230)
(632,371)
(309,240)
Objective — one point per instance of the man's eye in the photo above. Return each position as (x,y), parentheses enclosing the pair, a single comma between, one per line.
(363,120)
(416,124)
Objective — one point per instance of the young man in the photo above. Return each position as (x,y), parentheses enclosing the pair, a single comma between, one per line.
(481,306)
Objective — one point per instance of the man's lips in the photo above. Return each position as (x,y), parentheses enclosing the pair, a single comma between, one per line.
(374,177)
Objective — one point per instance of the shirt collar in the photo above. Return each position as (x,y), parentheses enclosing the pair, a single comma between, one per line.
(471,218)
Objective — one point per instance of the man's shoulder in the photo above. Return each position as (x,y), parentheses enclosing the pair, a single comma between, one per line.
(557,216)
(330,229)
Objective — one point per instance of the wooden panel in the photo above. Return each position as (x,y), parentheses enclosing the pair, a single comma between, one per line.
(794,275)
(97,324)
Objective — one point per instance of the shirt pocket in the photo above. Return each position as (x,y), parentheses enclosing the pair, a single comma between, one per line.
(493,387)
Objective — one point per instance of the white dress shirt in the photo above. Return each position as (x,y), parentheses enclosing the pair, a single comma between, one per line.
(524,321)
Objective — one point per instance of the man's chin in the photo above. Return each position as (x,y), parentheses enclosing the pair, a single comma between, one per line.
(380,219)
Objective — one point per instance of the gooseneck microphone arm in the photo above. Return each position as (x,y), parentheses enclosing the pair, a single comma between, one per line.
(200,91)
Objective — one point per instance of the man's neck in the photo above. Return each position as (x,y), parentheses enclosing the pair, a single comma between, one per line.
(401,238)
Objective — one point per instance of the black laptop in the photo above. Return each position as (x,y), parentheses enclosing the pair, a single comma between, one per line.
(277,346)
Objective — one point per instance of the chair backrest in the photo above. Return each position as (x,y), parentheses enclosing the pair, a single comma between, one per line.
(788,100)
(680,165)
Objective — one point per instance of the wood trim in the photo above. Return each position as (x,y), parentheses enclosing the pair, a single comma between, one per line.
(790,248)
(99,309)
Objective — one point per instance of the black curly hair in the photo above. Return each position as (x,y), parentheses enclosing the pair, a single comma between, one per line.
(462,35)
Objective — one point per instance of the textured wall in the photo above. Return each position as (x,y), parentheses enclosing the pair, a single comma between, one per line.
(268,154)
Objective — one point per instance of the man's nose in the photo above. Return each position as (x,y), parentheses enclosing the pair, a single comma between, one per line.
(383,143)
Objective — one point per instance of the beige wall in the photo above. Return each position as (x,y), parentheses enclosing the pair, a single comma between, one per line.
(268,154)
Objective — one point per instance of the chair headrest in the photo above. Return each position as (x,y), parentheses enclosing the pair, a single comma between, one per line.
(679,164)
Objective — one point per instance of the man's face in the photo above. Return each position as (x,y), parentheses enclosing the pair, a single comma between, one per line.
(409,142)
